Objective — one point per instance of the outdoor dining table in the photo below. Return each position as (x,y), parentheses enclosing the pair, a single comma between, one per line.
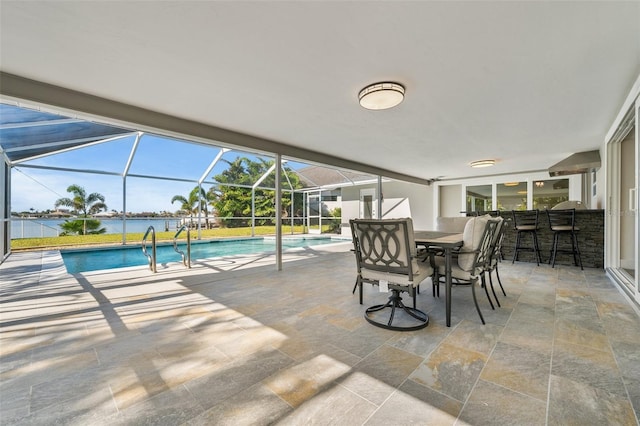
(447,241)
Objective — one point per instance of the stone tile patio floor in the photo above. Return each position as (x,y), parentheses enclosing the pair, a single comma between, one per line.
(236,342)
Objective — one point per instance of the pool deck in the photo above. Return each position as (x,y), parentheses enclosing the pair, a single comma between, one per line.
(234,341)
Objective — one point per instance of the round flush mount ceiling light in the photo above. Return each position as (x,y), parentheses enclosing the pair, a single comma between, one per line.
(483,163)
(381,95)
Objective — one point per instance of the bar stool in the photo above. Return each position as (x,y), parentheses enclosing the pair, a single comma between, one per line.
(563,222)
(526,222)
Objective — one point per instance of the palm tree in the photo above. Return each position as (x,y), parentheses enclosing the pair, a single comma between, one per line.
(197,197)
(83,205)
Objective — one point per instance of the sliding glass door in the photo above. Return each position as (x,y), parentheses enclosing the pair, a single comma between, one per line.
(623,158)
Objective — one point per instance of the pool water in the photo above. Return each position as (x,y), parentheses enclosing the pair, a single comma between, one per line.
(97,259)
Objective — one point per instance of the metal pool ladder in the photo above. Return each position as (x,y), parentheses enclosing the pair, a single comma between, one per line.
(152,256)
(185,259)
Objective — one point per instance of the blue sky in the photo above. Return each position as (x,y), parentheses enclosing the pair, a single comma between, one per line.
(39,189)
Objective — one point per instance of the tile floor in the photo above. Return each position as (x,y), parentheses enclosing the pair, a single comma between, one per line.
(236,342)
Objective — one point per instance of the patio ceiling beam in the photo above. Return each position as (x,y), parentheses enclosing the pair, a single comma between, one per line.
(125,172)
(40,123)
(213,164)
(78,144)
(117,113)
(132,154)
(162,178)
(286,176)
(240,185)
(67,169)
(264,176)
(345,176)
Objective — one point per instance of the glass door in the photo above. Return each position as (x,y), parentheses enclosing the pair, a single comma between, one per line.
(368,204)
(628,211)
(623,159)
(314,210)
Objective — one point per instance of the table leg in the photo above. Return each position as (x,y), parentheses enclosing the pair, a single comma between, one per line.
(447,268)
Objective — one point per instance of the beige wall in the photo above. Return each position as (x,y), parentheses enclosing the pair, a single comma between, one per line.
(400,199)
(350,205)
(450,196)
(597,201)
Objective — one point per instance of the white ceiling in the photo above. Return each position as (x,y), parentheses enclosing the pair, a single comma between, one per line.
(525,83)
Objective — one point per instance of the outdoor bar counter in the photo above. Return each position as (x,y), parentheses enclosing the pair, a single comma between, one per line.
(590,240)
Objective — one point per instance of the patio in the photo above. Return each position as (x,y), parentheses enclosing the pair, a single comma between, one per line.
(235,342)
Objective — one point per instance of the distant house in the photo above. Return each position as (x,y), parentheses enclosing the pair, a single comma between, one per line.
(105,214)
(60,213)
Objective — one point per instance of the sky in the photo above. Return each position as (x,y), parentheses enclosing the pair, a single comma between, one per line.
(38,189)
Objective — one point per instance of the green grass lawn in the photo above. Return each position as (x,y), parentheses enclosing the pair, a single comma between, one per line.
(136,238)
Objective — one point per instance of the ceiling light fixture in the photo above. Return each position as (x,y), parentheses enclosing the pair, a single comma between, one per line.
(511,183)
(482,163)
(381,95)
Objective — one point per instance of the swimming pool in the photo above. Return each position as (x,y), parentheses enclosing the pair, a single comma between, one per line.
(109,258)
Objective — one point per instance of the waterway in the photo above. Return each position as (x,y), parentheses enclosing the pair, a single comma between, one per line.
(37,227)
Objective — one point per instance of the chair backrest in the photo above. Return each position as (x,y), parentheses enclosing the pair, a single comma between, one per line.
(473,238)
(489,235)
(496,243)
(563,220)
(525,218)
(385,245)
(451,223)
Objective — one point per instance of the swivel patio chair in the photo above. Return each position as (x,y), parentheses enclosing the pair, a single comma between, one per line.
(386,256)
(563,222)
(473,257)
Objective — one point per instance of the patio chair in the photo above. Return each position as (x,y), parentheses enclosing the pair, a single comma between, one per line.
(473,257)
(495,257)
(526,222)
(386,256)
(563,222)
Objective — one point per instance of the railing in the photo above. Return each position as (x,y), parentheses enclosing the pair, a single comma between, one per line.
(186,260)
(31,228)
(152,256)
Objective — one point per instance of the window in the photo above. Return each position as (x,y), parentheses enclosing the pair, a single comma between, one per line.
(525,192)
(479,198)
(511,196)
(548,193)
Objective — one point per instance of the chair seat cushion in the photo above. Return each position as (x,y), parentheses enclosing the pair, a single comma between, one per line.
(400,279)
(526,228)
(456,271)
(564,228)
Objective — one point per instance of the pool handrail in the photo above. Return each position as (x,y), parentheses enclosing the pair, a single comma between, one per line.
(186,260)
(152,256)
